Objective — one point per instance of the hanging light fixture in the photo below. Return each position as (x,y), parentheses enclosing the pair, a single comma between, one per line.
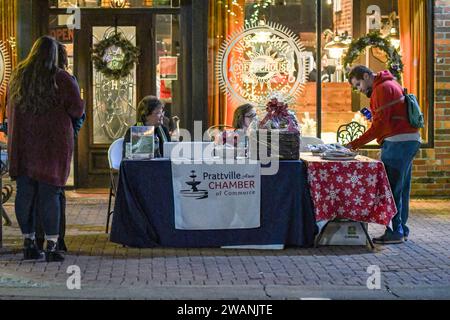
(394,38)
(393,34)
(336,47)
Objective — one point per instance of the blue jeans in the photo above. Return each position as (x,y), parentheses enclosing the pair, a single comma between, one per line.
(397,158)
(45,197)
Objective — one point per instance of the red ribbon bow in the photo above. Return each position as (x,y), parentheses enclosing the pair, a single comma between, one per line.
(277,109)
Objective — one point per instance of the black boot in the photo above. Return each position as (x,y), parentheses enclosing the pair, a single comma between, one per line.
(52,254)
(30,250)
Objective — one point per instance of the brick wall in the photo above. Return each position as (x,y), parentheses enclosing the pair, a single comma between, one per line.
(431,168)
(334,111)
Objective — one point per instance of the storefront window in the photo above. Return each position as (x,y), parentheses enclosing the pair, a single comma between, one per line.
(168,62)
(58,29)
(114,3)
(342,21)
(258,48)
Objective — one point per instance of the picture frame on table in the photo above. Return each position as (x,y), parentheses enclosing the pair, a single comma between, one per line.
(142,142)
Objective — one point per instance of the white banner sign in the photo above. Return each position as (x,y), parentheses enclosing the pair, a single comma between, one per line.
(216,196)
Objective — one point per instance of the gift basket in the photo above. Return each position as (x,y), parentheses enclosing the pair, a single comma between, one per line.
(278,121)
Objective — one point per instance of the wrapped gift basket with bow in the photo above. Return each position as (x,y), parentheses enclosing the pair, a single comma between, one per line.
(279,122)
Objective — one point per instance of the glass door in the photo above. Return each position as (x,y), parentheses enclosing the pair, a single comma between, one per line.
(110,103)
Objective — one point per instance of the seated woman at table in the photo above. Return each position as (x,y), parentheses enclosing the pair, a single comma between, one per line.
(150,112)
(243,116)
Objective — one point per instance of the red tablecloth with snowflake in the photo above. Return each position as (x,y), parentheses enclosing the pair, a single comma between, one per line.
(358,189)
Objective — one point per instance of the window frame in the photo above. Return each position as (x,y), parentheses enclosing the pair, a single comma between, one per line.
(430,73)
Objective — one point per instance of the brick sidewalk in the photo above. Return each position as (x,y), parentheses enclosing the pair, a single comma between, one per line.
(422,262)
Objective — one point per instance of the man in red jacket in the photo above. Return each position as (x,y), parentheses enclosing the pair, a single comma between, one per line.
(398,139)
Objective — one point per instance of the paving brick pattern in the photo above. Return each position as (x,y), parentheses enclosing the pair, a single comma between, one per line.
(424,260)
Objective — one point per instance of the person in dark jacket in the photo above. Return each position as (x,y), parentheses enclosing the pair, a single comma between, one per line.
(77,123)
(63,63)
(42,102)
(150,112)
(399,141)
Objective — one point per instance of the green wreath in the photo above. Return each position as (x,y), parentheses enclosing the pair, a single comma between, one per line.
(115,56)
(374,39)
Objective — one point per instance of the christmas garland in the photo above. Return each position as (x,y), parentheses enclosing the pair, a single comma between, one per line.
(374,39)
(110,68)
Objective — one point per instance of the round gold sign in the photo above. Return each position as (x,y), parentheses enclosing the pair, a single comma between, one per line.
(260,60)
(5,68)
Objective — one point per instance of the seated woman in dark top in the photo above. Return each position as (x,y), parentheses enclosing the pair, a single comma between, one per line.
(150,112)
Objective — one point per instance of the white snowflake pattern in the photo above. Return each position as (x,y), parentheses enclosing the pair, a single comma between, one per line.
(354,179)
(318,196)
(318,187)
(332,194)
(347,192)
(353,213)
(372,180)
(358,200)
(335,168)
(387,193)
(323,175)
(376,199)
(347,203)
(359,165)
(341,210)
(391,209)
(346,164)
(325,208)
(373,165)
(362,190)
(364,212)
(312,177)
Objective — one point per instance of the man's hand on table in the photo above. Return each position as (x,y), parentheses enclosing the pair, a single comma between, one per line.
(349,147)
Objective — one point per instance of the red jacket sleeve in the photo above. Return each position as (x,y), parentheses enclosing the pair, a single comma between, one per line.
(382,96)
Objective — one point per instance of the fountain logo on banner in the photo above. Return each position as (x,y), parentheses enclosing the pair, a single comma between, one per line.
(216,196)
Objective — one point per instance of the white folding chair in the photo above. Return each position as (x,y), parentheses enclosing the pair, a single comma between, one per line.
(304,141)
(349,132)
(114,159)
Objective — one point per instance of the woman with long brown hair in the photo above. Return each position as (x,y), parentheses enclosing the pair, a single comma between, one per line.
(42,101)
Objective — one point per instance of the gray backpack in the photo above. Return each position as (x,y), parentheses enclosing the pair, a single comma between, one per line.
(415,116)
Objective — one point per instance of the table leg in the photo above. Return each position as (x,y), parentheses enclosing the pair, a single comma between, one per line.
(367,235)
(320,235)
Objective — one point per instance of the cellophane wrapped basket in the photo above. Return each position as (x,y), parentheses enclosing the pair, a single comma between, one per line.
(278,119)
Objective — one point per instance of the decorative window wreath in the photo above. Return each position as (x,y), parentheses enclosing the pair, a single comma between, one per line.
(115,56)
(374,39)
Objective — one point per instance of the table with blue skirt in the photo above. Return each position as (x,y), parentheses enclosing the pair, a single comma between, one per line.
(144,210)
